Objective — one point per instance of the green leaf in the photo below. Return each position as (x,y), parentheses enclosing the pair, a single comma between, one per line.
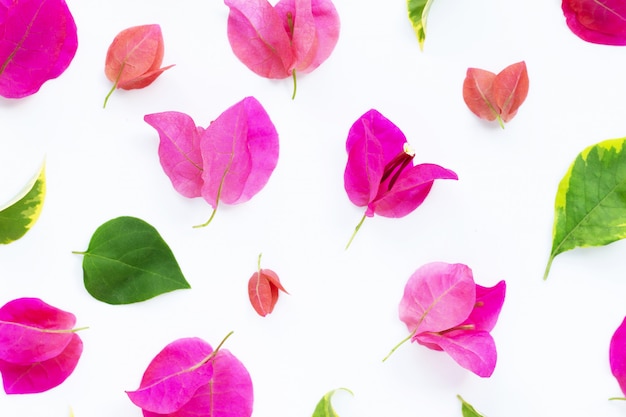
(418,14)
(467,409)
(127,261)
(21,213)
(324,407)
(590,205)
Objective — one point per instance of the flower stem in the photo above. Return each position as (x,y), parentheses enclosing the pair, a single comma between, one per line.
(400,344)
(198,226)
(114,85)
(295,84)
(356,229)
(500,121)
(617,398)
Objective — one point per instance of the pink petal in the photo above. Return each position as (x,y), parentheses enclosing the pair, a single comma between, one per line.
(391,138)
(487,308)
(510,88)
(260,294)
(478,94)
(29,331)
(41,376)
(327,23)
(134,57)
(437,297)
(617,355)
(409,191)
(173,376)
(258,38)
(179,150)
(364,168)
(240,152)
(597,22)
(473,350)
(304,37)
(229,393)
(38,40)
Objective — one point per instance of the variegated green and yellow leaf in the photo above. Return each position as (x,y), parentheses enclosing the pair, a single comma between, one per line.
(418,14)
(20,214)
(590,205)
(324,407)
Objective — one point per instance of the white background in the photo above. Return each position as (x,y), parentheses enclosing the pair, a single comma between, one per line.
(340,318)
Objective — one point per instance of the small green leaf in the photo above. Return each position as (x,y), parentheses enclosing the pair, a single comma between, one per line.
(127,261)
(418,14)
(21,213)
(324,407)
(467,409)
(590,205)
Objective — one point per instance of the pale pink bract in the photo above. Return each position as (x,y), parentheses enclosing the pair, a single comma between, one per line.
(445,310)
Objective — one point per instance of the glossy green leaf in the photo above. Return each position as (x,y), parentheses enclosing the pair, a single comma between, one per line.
(127,261)
(418,14)
(21,213)
(324,407)
(590,206)
(467,409)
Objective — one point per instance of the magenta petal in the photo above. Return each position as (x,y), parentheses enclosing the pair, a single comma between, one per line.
(437,297)
(597,22)
(240,152)
(487,308)
(409,191)
(33,331)
(258,38)
(173,376)
(229,393)
(388,134)
(179,150)
(364,169)
(473,350)
(617,355)
(41,376)
(38,40)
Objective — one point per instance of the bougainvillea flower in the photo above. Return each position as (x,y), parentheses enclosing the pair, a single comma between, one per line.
(445,310)
(602,22)
(134,58)
(380,174)
(229,161)
(490,96)
(617,355)
(188,378)
(276,42)
(38,41)
(39,347)
(263,289)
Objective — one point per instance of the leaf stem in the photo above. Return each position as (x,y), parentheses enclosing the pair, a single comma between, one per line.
(400,344)
(356,229)
(76,252)
(547,271)
(295,84)
(114,85)
(500,121)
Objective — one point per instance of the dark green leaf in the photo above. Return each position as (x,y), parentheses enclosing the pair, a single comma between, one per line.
(127,261)
(590,206)
(20,214)
(324,407)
